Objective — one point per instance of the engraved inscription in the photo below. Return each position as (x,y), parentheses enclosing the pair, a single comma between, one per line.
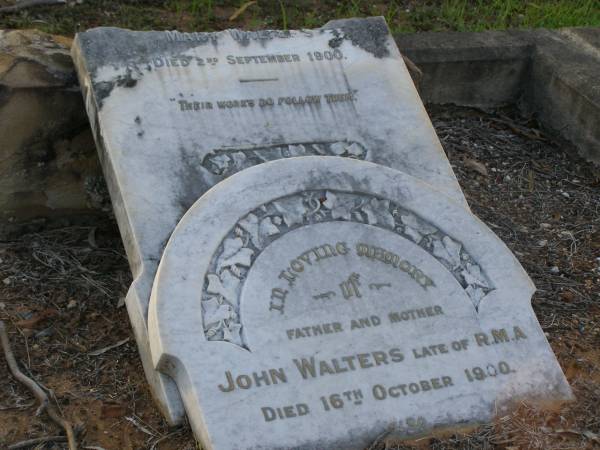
(253,233)
(194,105)
(325,295)
(311,367)
(378,286)
(350,286)
(380,254)
(264,378)
(308,369)
(183,61)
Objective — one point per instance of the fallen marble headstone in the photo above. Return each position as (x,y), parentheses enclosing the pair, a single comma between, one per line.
(175,113)
(349,301)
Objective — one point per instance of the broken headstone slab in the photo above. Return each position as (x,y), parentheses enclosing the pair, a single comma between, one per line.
(175,113)
(47,160)
(350,301)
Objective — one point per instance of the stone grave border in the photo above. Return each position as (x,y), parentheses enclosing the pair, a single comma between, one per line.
(552,74)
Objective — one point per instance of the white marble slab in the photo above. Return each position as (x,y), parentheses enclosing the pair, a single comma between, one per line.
(350,301)
(175,113)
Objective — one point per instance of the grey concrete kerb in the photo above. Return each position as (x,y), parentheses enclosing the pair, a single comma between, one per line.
(551,74)
(181,274)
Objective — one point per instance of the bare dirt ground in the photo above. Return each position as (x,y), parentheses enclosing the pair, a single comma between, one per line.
(61,294)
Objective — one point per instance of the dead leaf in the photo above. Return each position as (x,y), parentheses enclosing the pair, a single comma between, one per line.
(476,166)
(567,296)
(241,10)
(37,318)
(113,410)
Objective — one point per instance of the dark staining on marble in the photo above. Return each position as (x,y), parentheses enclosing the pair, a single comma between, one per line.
(244,38)
(126,81)
(190,170)
(240,36)
(337,40)
(135,47)
(138,122)
(102,90)
(134,51)
(370,34)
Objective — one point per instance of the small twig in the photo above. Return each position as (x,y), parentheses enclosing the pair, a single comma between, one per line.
(415,73)
(136,422)
(241,10)
(29,4)
(40,440)
(35,389)
(110,347)
(586,433)
(166,436)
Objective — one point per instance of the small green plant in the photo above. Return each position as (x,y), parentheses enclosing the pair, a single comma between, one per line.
(202,12)
(478,15)
(283,15)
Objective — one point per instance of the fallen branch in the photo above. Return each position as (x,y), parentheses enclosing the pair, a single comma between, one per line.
(586,433)
(36,441)
(534,135)
(35,389)
(241,10)
(30,4)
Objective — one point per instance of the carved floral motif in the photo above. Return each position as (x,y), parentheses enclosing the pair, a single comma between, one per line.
(226,162)
(254,232)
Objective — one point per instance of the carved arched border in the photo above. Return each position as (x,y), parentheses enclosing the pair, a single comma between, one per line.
(255,231)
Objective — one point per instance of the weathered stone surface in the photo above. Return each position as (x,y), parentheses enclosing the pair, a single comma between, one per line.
(47,152)
(485,69)
(32,59)
(551,74)
(350,301)
(564,89)
(175,113)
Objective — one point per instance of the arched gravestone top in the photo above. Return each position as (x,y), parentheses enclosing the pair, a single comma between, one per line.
(317,302)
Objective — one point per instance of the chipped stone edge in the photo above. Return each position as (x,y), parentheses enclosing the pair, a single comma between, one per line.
(162,388)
